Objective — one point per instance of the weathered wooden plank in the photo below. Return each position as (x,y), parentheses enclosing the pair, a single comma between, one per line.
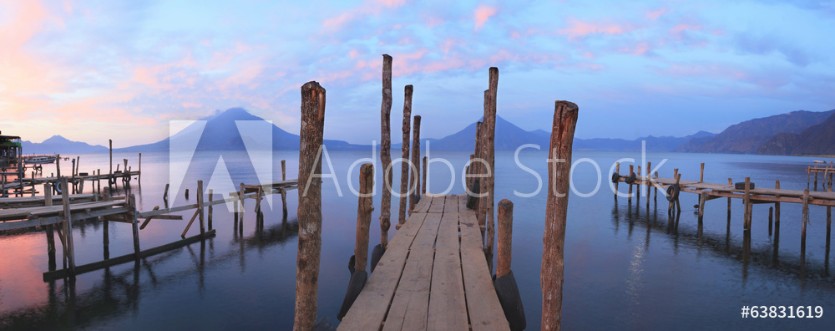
(483,305)
(423,205)
(447,305)
(410,304)
(451,204)
(371,306)
(437,204)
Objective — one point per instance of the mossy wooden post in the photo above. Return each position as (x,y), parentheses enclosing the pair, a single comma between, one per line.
(211,208)
(69,248)
(505,241)
(200,210)
(423,178)
(747,205)
(50,232)
(489,142)
(385,152)
(365,206)
(559,165)
(404,165)
(310,205)
(283,191)
(414,186)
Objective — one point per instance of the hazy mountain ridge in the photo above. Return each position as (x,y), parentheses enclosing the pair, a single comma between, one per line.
(58,144)
(776,134)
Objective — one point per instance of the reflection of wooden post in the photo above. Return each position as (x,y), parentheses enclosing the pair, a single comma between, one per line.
(283,192)
(770,220)
(559,165)
(631,172)
(310,205)
(777,206)
(404,165)
(385,152)
(423,178)
(730,184)
(617,171)
(505,242)
(804,220)
(69,248)
(364,208)
(134,225)
(415,173)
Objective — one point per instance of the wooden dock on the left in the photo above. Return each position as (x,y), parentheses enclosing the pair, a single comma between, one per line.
(433,276)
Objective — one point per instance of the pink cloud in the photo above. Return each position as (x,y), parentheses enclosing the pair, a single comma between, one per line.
(391,3)
(482,14)
(579,29)
(656,14)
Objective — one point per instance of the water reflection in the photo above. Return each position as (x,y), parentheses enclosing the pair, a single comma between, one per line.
(119,289)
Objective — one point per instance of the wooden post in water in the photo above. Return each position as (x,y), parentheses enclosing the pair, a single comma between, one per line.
(770,220)
(365,206)
(310,205)
(211,207)
(746,201)
(489,141)
(655,196)
(50,234)
(631,172)
(777,206)
(241,198)
(505,242)
(385,152)
(423,178)
(165,194)
(559,165)
(404,165)
(414,186)
(617,182)
(804,221)
(110,174)
(134,224)
(69,249)
(283,191)
(678,198)
(200,206)
(702,172)
(730,184)
(140,168)
(650,182)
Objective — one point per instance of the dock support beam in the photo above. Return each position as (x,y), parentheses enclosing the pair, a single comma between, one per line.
(559,161)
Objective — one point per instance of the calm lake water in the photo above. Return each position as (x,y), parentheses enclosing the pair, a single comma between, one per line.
(626,267)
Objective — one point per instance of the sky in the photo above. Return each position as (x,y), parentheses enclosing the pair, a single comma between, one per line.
(95,70)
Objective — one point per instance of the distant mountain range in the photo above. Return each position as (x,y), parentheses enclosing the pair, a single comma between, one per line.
(60,145)
(795,133)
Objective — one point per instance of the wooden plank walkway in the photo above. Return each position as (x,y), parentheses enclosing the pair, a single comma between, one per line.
(433,276)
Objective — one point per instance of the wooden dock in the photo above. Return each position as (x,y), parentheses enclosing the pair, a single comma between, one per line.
(433,275)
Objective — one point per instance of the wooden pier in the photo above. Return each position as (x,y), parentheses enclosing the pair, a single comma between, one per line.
(434,275)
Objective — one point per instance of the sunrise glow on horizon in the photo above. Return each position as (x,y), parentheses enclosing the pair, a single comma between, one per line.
(97,70)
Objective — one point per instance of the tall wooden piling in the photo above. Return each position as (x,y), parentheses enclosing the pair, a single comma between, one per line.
(617,182)
(559,165)
(650,181)
(241,198)
(385,152)
(730,184)
(489,130)
(69,248)
(702,172)
(414,181)
(110,151)
(310,205)
(505,241)
(365,205)
(405,166)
